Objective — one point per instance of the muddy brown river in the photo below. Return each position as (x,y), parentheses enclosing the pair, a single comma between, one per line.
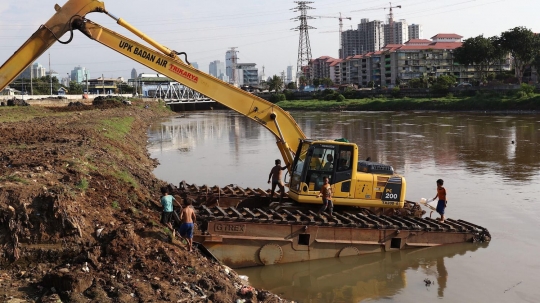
(489,162)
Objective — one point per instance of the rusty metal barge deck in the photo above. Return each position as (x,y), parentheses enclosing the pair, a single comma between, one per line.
(240,228)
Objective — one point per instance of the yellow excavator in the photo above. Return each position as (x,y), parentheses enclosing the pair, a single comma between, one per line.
(355,183)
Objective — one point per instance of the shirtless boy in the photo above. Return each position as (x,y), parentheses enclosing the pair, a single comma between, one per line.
(275,175)
(187,217)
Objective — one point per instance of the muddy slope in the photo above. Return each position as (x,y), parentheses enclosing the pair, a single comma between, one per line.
(79,213)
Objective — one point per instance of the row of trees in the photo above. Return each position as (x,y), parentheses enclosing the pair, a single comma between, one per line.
(521,43)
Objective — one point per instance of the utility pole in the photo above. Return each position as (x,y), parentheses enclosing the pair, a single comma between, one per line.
(50,72)
(86,76)
(31,83)
(304,48)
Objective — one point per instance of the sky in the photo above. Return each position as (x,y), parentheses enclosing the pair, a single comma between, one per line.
(261,30)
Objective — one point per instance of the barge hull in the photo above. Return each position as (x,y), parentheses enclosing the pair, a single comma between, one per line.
(248,237)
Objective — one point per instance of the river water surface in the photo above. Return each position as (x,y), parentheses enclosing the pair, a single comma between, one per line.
(490,165)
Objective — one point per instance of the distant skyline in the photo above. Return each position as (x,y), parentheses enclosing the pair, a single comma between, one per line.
(260,29)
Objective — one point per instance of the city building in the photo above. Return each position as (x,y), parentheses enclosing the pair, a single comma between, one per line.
(53,74)
(371,35)
(217,68)
(79,74)
(396,33)
(34,71)
(290,74)
(416,31)
(396,64)
(104,86)
(194,64)
(134,74)
(351,43)
(248,74)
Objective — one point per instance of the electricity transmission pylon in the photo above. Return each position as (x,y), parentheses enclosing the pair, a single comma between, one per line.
(304,48)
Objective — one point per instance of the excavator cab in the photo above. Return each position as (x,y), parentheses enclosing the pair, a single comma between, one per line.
(315,160)
(354,183)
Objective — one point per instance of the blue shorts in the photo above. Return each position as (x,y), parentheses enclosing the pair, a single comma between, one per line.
(441,206)
(186,230)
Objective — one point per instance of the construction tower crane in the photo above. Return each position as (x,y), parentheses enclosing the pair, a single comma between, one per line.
(391,22)
(340,29)
(390,18)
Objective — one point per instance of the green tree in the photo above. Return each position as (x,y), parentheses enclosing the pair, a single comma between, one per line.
(291,85)
(480,51)
(275,84)
(443,83)
(75,88)
(124,88)
(523,45)
(316,82)
(371,84)
(303,82)
(327,82)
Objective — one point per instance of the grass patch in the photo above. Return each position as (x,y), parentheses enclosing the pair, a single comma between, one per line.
(82,185)
(126,177)
(13,178)
(116,128)
(115,205)
(167,231)
(479,102)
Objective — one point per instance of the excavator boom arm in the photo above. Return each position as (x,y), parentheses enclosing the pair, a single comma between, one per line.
(71,16)
(45,37)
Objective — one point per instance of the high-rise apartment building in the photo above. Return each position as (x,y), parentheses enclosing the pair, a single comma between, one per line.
(216,68)
(398,32)
(416,31)
(79,74)
(351,43)
(34,71)
(371,35)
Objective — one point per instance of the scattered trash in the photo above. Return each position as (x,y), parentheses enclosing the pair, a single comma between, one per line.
(245,278)
(98,232)
(246,290)
(427,281)
(85,267)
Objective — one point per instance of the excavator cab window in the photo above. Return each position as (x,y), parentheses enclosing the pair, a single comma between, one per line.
(298,166)
(321,165)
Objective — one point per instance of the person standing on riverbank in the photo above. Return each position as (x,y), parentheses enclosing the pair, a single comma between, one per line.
(275,175)
(441,194)
(188,218)
(167,214)
(326,194)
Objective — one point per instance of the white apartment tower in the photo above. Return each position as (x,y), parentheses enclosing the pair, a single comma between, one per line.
(400,32)
(371,35)
(290,74)
(416,31)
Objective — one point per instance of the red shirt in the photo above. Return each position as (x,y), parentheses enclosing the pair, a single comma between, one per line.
(441,193)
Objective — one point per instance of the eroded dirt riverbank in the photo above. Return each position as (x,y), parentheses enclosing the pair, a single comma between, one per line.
(79,213)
